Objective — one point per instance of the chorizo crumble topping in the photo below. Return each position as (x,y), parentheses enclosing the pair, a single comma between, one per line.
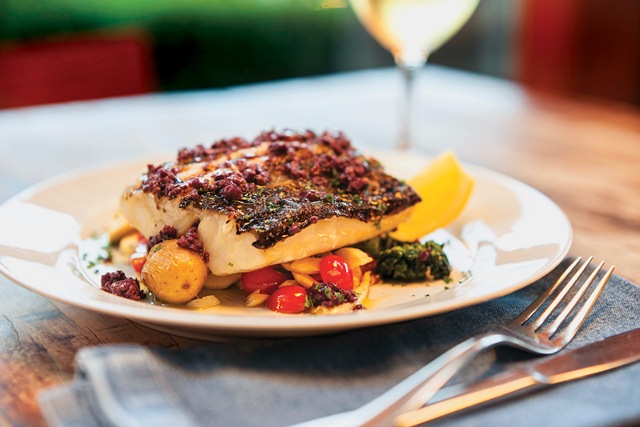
(168,232)
(326,294)
(280,183)
(117,283)
(190,240)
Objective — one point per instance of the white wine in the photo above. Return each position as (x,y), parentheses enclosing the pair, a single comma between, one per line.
(412,29)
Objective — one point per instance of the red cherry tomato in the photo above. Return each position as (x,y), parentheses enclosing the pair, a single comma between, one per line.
(287,299)
(334,269)
(266,279)
(137,261)
(141,239)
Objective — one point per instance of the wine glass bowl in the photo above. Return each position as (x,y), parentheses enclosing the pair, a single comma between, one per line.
(411,30)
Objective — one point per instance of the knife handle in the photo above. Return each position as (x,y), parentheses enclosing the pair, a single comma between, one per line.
(485,391)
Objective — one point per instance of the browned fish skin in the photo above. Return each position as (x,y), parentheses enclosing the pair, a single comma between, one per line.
(280,183)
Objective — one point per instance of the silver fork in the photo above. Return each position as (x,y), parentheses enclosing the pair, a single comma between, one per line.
(537,334)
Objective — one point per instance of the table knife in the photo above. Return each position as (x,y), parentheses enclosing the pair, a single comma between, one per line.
(600,356)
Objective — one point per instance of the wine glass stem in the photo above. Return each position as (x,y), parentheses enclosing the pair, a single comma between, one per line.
(409,73)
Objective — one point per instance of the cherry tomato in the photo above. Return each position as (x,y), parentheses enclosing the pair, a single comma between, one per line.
(287,299)
(137,261)
(141,239)
(266,279)
(334,269)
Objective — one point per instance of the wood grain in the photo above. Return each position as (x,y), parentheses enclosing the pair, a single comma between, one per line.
(584,155)
(586,158)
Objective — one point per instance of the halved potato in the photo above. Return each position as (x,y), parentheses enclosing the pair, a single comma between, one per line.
(174,274)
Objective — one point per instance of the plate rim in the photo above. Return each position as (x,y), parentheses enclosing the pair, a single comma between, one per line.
(277,324)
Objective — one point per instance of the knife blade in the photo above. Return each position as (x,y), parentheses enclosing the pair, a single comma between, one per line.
(591,359)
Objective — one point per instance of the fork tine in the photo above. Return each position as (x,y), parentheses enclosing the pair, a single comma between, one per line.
(558,298)
(528,312)
(553,326)
(571,329)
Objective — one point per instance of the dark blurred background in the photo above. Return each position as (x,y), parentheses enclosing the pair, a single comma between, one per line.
(61,50)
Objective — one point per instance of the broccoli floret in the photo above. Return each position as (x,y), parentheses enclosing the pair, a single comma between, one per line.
(408,261)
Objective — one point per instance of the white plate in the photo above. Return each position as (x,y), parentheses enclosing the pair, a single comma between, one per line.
(508,236)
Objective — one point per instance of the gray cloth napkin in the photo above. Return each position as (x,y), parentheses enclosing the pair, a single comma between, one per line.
(277,382)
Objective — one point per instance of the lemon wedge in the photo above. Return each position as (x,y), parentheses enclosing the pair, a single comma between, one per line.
(445,189)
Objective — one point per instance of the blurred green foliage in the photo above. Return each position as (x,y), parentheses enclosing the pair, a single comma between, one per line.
(202,43)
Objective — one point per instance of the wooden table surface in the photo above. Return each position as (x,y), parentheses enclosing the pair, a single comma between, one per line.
(585,155)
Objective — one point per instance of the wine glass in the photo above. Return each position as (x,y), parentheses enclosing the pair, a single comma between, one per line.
(411,30)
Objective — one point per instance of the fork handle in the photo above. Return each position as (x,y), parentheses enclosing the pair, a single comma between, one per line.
(415,390)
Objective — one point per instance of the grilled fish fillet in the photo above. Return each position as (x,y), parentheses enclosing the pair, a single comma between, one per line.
(278,198)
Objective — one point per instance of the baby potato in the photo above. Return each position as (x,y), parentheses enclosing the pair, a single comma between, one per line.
(174,274)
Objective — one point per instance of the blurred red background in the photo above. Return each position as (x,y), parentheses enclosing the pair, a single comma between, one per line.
(589,47)
(75,68)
